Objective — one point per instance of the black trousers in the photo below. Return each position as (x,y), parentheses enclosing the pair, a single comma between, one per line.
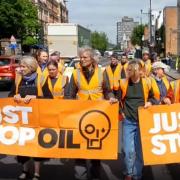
(95,167)
(24,159)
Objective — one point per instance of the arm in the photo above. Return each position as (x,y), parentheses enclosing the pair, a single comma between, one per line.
(106,87)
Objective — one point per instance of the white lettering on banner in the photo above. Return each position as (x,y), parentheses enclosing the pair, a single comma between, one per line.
(11,116)
(17,135)
(166,142)
(161,122)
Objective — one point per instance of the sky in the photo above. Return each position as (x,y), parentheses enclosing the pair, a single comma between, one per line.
(103,15)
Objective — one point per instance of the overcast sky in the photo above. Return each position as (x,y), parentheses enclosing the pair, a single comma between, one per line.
(102,15)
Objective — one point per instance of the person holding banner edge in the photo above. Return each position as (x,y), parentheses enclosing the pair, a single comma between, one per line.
(135,91)
(24,90)
(89,82)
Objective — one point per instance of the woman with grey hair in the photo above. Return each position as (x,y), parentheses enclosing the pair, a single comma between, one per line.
(24,90)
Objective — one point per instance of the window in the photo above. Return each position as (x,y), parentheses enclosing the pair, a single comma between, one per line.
(4,62)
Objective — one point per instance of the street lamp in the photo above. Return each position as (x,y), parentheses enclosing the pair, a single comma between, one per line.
(150,22)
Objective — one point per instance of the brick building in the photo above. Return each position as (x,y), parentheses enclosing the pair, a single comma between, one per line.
(50,11)
(171,30)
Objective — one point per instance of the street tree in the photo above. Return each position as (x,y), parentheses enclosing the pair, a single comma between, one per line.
(99,41)
(19,18)
(137,34)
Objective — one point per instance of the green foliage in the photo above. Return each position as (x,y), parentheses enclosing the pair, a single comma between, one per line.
(18,18)
(136,37)
(99,41)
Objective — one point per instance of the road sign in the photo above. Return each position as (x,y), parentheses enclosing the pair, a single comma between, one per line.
(13,40)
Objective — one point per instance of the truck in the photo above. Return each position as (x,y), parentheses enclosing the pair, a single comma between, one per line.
(67,38)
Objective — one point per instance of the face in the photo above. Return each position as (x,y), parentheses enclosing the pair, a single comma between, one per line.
(145,57)
(114,61)
(85,59)
(134,72)
(43,58)
(54,58)
(123,59)
(24,70)
(53,71)
(159,72)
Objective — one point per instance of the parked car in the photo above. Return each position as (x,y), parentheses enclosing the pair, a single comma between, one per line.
(130,55)
(8,65)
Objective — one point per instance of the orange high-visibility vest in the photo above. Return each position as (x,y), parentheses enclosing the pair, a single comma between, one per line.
(176,89)
(58,89)
(42,75)
(114,77)
(147,67)
(155,87)
(125,68)
(146,83)
(92,90)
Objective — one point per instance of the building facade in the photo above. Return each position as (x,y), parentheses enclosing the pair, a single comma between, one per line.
(171,29)
(50,11)
(124,31)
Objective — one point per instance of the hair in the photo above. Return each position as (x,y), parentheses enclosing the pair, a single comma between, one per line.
(30,62)
(54,63)
(55,53)
(38,53)
(136,65)
(91,53)
(114,55)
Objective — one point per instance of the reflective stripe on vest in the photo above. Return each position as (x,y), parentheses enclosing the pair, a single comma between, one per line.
(155,87)
(114,77)
(145,84)
(93,89)
(58,89)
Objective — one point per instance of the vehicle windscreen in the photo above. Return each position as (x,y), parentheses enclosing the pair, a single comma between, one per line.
(4,62)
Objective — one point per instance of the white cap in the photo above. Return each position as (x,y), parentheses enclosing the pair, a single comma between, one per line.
(159,64)
(145,52)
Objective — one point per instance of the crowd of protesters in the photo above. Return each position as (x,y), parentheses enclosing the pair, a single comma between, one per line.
(131,83)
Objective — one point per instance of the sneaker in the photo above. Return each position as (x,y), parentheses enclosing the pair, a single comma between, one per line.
(36,177)
(23,175)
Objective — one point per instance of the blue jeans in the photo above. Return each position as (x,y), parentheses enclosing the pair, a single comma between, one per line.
(132,149)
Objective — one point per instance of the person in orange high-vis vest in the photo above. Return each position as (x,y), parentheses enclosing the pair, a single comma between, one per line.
(176,90)
(42,71)
(124,64)
(114,72)
(135,91)
(24,90)
(55,84)
(55,56)
(146,62)
(161,86)
(89,82)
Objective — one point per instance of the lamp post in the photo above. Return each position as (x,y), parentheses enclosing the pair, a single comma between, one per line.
(150,22)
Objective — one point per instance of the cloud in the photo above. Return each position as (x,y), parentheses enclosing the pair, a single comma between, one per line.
(102,15)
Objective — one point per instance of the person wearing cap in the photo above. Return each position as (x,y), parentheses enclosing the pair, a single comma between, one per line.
(55,56)
(176,89)
(114,73)
(161,86)
(124,65)
(146,62)
(25,89)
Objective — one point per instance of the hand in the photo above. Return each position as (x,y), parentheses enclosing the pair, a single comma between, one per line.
(28,98)
(17,98)
(147,104)
(113,100)
(167,101)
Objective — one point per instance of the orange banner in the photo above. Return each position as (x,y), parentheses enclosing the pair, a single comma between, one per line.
(59,128)
(160,135)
